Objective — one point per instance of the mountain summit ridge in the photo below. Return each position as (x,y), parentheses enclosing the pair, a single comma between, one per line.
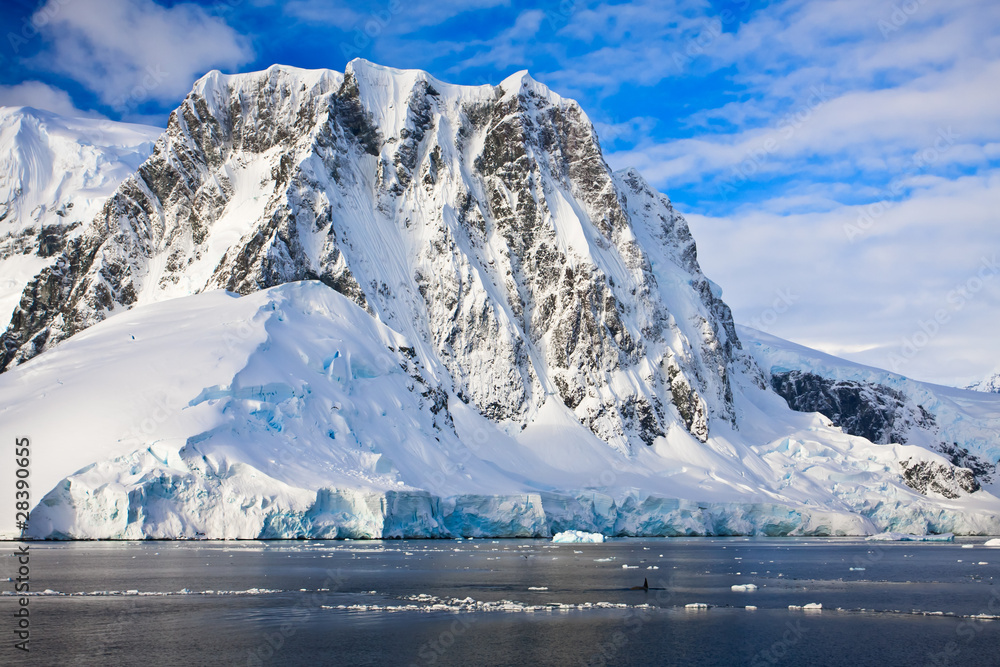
(525,203)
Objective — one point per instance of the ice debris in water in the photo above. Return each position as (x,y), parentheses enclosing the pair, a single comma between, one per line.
(429,603)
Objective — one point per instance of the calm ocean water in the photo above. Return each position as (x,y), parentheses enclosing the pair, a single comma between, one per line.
(508,602)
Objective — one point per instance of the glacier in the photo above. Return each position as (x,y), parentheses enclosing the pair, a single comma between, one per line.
(291,412)
(374,304)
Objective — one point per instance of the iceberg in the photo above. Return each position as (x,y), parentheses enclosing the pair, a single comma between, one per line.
(577,537)
(744,588)
(995,542)
(907,537)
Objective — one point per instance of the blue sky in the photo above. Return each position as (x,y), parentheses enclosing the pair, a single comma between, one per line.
(839,161)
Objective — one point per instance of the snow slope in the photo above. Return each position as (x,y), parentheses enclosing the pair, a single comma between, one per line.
(292,412)
(55,174)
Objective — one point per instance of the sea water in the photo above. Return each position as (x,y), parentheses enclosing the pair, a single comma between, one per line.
(510,602)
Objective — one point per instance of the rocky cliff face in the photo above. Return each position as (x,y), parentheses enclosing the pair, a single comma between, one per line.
(481,222)
(873,411)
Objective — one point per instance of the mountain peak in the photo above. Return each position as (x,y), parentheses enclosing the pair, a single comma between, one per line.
(990,384)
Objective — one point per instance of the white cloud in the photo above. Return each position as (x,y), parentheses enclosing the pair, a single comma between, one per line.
(42,96)
(130,51)
(863,299)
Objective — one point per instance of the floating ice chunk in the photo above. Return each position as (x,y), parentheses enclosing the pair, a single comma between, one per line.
(538,588)
(857,569)
(968,546)
(696,605)
(995,542)
(604,560)
(750,607)
(743,588)
(982,562)
(907,537)
(626,566)
(577,537)
(812,606)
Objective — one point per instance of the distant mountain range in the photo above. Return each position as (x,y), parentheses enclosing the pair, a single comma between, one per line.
(990,384)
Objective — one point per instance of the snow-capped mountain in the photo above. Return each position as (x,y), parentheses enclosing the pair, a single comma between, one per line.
(457,320)
(480,222)
(990,384)
(883,406)
(55,174)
